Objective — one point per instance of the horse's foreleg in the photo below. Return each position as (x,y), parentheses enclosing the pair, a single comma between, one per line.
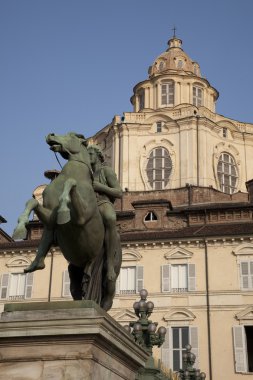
(46,242)
(63,213)
(80,211)
(20,231)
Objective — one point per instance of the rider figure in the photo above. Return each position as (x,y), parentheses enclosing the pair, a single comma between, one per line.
(107,189)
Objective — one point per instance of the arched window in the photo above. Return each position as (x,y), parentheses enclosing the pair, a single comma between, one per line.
(150,217)
(197,96)
(168,91)
(159,168)
(227,173)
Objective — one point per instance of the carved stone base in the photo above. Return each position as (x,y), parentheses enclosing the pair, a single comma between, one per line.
(65,340)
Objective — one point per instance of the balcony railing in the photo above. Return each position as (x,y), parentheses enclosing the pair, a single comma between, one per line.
(132,291)
(179,290)
(16,298)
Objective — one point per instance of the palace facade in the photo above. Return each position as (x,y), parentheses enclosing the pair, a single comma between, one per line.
(185,221)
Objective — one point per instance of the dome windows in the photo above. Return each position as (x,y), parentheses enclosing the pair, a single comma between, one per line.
(141,99)
(180,64)
(168,93)
(161,65)
(158,168)
(227,173)
(197,96)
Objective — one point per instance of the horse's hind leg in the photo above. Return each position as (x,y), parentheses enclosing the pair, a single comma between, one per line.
(46,242)
(20,231)
(76,278)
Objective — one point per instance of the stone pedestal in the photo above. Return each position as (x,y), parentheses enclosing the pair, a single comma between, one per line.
(65,341)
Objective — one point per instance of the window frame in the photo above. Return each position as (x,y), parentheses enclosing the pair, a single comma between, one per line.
(152,167)
(139,280)
(246,276)
(5,286)
(167,93)
(225,173)
(240,349)
(166,278)
(197,99)
(167,347)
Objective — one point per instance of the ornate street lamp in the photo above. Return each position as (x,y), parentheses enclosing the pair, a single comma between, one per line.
(190,373)
(144,330)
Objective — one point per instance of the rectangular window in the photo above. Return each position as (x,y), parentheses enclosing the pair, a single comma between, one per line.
(178,278)
(15,286)
(243,348)
(180,338)
(159,127)
(173,348)
(167,94)
(179,281)
(224,132)
(246,274)
(130,280)
(197,96)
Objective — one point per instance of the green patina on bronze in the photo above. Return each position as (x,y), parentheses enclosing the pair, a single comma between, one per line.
(78,216)
(56,305)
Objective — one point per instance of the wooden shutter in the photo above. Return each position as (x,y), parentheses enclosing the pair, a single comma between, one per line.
(164,94)
(4,285)
(117,287)
(245,270)
(240,349)
(28,285)
(139,278)
(165,276)
(251,274)
(191,277)
(66,284)
(165,351)
(194,342)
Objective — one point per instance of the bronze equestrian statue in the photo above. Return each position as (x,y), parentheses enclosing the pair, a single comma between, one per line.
(72,220)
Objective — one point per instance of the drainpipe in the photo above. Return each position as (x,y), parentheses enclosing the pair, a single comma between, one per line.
(208,310)
(50,276)
(197,118)
(245,160)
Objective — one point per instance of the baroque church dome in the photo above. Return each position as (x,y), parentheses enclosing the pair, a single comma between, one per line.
(174,59)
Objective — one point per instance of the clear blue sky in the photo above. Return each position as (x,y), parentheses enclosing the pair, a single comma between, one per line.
(70,65)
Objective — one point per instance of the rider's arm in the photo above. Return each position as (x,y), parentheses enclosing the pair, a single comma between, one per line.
(113,189)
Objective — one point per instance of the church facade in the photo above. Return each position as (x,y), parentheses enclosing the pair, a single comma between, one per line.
(185,221)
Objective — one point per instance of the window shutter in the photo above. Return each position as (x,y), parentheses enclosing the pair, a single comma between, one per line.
(245,275)
(251,274)
(165,278)
(165,351)
(66,284)
(139,278)
(28,285)
(117,289)
(4,285)
(194,342)
(191,277)
(240,349)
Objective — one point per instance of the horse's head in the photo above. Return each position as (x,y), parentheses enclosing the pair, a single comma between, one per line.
(67,145)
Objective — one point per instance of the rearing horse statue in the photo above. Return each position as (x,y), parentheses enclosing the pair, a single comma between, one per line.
(72,221)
